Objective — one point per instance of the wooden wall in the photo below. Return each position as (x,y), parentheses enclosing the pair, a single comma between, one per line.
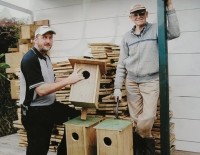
(79,22)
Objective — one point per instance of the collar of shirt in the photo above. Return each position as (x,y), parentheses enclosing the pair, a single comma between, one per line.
(141,32)
(38,53)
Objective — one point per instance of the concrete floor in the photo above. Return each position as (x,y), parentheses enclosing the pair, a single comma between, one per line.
(9,146)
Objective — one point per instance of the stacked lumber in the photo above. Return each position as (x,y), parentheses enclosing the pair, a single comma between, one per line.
(62,70)
(56,137)
(106,106)
(156,132)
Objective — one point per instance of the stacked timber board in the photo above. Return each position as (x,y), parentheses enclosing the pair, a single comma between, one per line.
(110,54)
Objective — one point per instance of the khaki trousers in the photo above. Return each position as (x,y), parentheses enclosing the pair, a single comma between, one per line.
(142,103)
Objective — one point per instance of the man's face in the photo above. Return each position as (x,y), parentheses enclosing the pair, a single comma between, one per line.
(44,42)
(139,17)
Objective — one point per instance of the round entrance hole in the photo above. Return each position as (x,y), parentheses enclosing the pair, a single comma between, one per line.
(86,74)
(107,141)
(75,136)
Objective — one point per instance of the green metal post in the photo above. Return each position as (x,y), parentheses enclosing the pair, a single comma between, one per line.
(163,75)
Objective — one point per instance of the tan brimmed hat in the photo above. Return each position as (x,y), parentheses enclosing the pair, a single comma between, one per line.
(44,29)
(137,7)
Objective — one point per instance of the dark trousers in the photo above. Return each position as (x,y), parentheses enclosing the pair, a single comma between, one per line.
(39,123)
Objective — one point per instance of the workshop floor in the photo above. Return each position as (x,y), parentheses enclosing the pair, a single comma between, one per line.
(9,146)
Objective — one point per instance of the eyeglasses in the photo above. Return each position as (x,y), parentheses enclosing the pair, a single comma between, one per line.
(137,14)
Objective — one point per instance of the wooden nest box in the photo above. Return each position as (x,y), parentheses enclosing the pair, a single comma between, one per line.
(114,137)
(85,93)
(81,136)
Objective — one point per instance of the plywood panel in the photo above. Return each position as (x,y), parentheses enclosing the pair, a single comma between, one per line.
(78,95)
(184,86)
(186,130)
(184,64)
(185,107)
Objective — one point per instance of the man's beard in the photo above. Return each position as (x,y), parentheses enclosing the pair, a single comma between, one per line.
(43,50)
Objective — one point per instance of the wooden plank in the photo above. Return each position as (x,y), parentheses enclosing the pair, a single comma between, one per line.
(13,59)
(112,105)
(101,64)
(23,48)
(87,98)
(24,41)
(12,49)
(84,114)
(42,22)
(14,88)
(27,31)
(101,48)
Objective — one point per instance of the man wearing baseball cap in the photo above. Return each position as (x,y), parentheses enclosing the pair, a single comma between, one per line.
(38,86)
(139,65)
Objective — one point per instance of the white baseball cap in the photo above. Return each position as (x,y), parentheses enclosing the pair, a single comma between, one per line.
(44,29)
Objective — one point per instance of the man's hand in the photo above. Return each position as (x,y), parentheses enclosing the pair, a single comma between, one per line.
(75,76)
(48,88)
(117,93)
(169,5)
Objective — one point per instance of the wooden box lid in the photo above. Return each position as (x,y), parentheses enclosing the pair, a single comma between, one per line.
(101,63)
